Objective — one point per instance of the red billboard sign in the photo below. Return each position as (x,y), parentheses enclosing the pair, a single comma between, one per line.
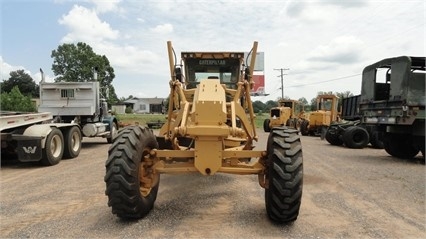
(259,85)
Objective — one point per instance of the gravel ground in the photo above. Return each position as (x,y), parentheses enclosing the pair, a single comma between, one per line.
(347,194)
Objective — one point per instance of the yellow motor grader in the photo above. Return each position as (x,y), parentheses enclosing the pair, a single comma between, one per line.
(209,129)
(288,112)
(321,119)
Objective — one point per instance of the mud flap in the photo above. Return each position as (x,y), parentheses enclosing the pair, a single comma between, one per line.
(28,148)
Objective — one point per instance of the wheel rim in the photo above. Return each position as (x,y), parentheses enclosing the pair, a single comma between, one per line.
(75,141)
(147,178)
(56,146)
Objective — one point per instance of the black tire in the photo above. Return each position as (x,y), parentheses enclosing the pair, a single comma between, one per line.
(284,174)
(355,137)
(332,137)
(399,146)
(113,133)
(128,196)
(266,127)
(375,140)
(304,127)
(72,142)
(53,149)
(291,123)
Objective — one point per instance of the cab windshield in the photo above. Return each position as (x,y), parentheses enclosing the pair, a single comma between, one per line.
(225,70)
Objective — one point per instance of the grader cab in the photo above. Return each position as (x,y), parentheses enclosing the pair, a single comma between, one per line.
(209,129)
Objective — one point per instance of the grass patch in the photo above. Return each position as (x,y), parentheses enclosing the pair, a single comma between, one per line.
(141,119)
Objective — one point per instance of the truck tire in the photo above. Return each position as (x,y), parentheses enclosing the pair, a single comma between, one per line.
(53,149)
(72,142)
(304,127)
(113,133)
(129,196)
(355,137)
(266,127)
(375,140)
(333,137)
(284,174)
(399,146)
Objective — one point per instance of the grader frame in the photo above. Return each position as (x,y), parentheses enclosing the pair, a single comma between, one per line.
(219,145)
(209,129)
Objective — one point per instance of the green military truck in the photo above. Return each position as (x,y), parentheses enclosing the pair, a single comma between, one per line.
(393,99)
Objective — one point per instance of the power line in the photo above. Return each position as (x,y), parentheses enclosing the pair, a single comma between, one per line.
(319,82)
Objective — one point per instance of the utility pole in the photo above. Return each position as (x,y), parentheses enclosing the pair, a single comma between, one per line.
(282,80)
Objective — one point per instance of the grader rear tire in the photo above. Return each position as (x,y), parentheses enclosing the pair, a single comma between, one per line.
(284,175)
(127,170)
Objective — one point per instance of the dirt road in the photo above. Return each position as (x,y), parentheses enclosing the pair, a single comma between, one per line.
(347,194)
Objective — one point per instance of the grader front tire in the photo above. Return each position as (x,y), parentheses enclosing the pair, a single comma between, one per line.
(284,175)
(127,171)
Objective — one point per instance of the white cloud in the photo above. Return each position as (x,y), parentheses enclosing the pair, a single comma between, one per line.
(163,29)
(341,50)
(6,68)
(103,6)
(84,25)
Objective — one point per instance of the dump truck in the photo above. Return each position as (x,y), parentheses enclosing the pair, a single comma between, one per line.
(209,130)
(287,113)
(393,99)
(32,137)
(321,119)
(82,103)
(348,130)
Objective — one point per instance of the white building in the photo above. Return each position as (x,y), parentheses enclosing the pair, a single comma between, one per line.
(146,105)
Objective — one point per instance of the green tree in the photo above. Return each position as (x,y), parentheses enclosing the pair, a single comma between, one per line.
(305,103)
(341,96)
(303,100)
(16,101)
(24,81)
(269,104)
(313,104)
(258,106)
(76,63)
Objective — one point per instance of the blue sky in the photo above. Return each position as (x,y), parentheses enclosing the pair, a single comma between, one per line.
(324,43)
